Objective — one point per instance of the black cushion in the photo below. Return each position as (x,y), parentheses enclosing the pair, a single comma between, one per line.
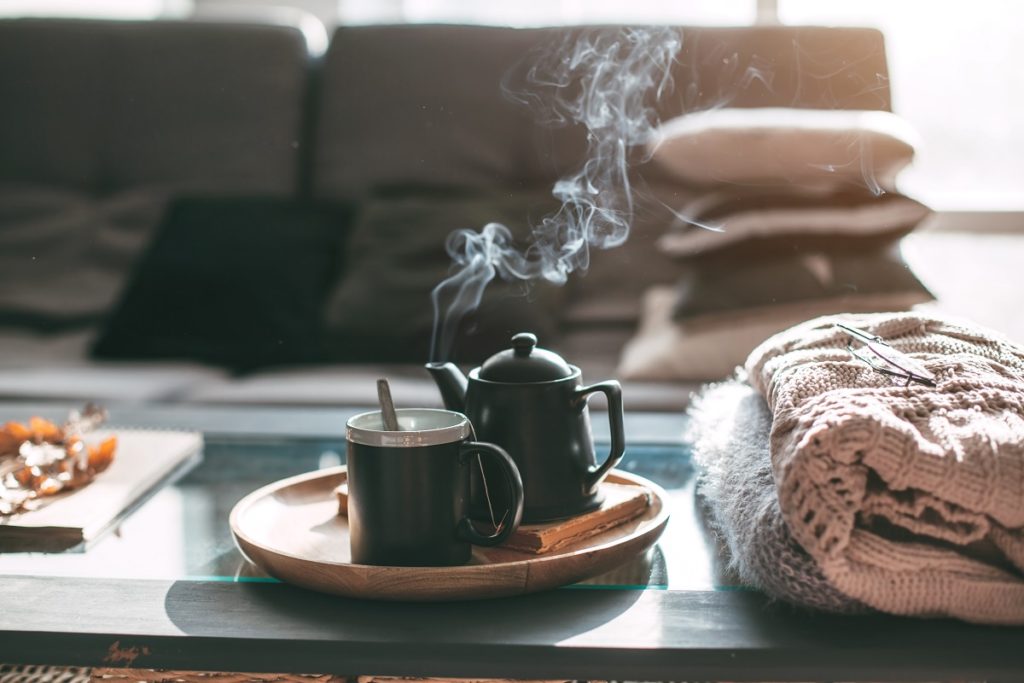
(239,283)
(382,310)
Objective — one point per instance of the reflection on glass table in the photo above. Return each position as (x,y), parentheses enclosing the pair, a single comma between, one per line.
(182,532)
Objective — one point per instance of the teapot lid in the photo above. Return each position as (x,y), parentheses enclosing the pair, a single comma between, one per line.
(524,362)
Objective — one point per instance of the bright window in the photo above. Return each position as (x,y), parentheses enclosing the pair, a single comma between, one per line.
(95,9)
(957,76)
(955,66)
(549,12)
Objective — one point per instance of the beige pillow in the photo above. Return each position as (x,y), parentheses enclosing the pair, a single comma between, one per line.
(727,220)
(712,346)
(777,146)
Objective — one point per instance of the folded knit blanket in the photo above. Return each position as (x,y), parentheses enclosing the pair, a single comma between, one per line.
(908,499)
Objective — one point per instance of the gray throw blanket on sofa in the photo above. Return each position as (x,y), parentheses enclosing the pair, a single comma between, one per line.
(729,428)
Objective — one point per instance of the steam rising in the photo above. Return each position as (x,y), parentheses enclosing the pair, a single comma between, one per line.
(606,81)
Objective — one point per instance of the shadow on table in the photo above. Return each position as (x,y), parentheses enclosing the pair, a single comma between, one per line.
(624,634)
(280,611)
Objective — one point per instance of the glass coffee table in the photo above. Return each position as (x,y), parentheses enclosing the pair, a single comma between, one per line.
(169,589)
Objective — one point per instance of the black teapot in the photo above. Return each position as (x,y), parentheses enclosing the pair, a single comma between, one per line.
(532,403)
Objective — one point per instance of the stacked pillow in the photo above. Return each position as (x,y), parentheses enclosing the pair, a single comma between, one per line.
(796,215)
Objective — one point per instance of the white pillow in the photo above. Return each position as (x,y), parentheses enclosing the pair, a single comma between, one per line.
(776,146)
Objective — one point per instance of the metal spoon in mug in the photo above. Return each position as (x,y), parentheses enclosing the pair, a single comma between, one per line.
(387,406)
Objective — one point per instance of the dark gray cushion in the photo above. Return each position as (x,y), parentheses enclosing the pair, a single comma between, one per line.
(64,254)
(103,106)
(382,310)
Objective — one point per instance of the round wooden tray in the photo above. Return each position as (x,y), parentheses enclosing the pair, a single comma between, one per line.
(291,529)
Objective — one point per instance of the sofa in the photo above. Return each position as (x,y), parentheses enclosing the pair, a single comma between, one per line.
(105,125)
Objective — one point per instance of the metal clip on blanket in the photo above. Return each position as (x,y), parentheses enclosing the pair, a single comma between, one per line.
(883,358)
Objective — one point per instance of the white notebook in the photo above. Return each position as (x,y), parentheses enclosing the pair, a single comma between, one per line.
(145,461)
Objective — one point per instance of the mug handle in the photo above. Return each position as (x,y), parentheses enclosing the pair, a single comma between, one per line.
(613,390)
(466,531)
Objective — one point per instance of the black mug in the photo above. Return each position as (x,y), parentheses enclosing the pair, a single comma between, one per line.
(408,490)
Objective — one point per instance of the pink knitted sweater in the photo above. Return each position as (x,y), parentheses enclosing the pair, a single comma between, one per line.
(910,499)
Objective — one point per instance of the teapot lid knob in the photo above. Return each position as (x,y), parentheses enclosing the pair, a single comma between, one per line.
(525,362)
(524,343)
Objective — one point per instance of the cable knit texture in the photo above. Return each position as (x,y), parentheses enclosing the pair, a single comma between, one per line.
(729,428)
(909,499)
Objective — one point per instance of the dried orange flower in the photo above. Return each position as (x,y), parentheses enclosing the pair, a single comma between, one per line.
(43,459)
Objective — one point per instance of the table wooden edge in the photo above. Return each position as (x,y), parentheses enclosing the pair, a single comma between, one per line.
(574,633)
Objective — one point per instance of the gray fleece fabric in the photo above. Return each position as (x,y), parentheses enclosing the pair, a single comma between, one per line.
(729,429)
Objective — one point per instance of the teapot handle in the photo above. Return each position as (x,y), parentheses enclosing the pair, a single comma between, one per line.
(613,391)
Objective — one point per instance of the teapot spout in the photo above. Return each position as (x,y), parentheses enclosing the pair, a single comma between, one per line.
(451,383)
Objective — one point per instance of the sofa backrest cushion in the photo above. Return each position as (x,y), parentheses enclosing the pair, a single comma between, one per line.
(423,105)
(103,106)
